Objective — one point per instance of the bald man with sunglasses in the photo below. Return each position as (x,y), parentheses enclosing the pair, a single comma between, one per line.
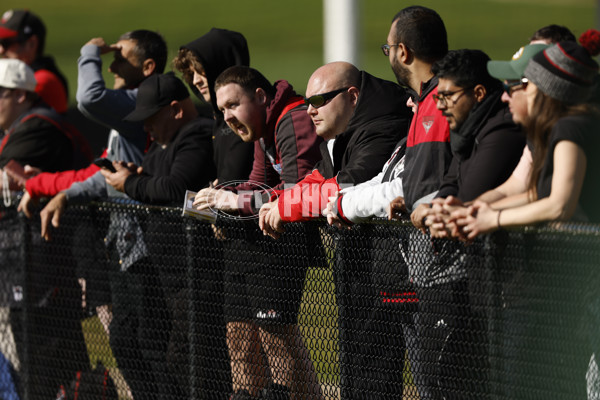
(361,118)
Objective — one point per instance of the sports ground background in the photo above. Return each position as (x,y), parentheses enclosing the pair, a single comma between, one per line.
(285,41)
(285,37)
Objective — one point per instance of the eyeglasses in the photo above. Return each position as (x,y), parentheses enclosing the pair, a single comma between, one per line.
(444,98)
(386,48)
(319,100)
(511,86)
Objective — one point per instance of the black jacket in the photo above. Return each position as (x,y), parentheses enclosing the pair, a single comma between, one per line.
(218,50)
(491,149)
(184,164)
(381,118)
(36,139)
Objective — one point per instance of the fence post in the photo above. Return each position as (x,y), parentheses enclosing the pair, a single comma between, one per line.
(192,314)
(25,257)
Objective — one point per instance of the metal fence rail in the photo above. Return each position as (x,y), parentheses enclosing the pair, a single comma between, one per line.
(131,301)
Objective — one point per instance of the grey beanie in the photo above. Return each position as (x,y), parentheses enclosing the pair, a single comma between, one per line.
(565,72)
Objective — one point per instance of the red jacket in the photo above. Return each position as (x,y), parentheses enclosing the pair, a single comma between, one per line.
(307,198)
(48,184)
(428,153)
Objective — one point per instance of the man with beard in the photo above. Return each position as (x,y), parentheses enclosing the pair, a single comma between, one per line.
(416,40)
(486,145)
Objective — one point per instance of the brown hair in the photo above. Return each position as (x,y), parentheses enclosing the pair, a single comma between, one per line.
(544,114)
(186,62)
(248,78)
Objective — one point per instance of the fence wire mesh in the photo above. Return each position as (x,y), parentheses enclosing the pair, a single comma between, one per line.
(137,302)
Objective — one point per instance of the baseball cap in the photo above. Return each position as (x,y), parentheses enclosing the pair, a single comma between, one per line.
(514,69)
(154,93)
(20,24)
(15,74)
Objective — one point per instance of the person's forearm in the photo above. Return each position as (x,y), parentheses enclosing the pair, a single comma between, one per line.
(516,200)
(513,186)
(542,210)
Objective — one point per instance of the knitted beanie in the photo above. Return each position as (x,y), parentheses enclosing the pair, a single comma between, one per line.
(565,72)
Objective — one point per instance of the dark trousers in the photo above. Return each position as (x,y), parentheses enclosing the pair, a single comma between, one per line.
(47,323)
(372,348)
(139,330)
(447,347)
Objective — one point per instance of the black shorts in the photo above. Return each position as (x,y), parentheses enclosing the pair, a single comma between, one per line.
(263,288)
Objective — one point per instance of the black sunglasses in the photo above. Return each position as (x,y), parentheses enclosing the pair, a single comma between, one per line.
(319,100)
(511,86)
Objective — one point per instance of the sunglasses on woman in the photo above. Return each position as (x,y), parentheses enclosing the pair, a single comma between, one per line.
(511,86)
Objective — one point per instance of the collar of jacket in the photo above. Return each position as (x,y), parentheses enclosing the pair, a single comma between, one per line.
(463,139)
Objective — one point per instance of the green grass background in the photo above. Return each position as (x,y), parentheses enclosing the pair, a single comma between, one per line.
(285,37)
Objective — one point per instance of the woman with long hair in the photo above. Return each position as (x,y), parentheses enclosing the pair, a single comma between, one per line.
(563,131)
(543,334)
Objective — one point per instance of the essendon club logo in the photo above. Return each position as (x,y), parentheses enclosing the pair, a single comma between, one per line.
(427,123)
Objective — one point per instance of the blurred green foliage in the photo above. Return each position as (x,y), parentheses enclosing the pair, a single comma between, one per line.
(285,37)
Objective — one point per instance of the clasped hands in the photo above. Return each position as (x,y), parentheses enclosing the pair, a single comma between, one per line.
(450,218)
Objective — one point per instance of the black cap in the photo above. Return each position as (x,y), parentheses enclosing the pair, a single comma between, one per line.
(21,24)
(154,93)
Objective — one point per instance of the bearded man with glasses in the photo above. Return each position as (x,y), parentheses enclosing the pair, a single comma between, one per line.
(486,146)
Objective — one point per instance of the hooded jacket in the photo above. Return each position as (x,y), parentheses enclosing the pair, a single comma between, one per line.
(428,152)
(288,151)
(218,50)
(379,121)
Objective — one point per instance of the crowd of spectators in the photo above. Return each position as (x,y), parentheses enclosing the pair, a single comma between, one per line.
(460,146)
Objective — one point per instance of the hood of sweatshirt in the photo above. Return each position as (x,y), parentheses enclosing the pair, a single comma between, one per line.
(218,50)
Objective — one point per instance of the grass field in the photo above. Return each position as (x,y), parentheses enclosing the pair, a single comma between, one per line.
(285,37)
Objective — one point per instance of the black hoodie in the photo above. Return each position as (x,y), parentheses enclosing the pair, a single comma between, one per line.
(218,50)
(381,118)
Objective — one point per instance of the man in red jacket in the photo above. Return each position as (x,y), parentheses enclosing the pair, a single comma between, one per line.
(261,314)
(23,36)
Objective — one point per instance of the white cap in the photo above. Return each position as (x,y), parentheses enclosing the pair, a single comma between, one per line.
(15,74)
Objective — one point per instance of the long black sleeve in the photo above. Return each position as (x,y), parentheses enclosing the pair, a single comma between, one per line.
(185,164)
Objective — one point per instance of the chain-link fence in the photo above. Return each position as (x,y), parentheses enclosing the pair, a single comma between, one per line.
(130,301)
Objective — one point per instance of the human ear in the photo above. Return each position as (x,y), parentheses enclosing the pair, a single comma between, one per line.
(176,109)
(480,92)
(354,92)
(148,67)
(260,96)
(403,53)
